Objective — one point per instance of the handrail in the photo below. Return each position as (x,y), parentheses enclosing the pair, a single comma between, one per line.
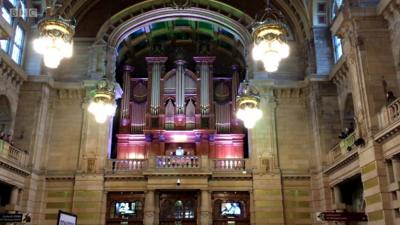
(228,164)
(169,162)
(125,165)
(13,154)
(342,148)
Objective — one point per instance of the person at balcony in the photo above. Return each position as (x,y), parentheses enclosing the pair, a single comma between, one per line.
(2,135)
(342,135)
(390,97)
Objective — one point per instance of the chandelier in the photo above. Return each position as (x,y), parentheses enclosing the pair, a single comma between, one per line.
(102,105)
(270,39)
(248,104)
(55,39)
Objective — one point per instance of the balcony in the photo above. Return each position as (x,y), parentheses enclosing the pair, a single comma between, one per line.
(342,153)
(13,156)
(388,120)
(177,164)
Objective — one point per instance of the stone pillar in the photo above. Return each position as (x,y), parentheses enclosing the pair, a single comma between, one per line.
(125,103)
(14,196)
(149,208)
(205,209)
(337,194)
(396,169)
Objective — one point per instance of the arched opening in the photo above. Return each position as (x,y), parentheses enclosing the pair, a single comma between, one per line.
(5,115)
(348,112)
(181,80)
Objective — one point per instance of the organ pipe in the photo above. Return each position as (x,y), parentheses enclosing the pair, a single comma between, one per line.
(127,94)
(156,65)
(204,65)
(180,87)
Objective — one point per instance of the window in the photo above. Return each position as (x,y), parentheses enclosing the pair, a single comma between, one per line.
(18,45)
(336,6)
(6,15)
(4,45)
(14,12)
(337,47)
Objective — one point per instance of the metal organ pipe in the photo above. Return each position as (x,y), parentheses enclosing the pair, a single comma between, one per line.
(180,87)
(127,94)
(156,66)
(155,89)
(204,81)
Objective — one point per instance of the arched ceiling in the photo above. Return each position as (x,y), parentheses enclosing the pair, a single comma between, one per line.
(92,14)
(191,38)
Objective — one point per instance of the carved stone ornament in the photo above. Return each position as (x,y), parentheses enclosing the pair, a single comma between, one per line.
(181,4)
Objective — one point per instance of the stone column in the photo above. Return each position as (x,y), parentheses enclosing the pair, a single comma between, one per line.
(337,194)
(14,196)
(205,209)
(149,208)
(396,169)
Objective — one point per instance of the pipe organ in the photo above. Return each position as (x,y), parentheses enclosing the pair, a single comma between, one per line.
(180,108)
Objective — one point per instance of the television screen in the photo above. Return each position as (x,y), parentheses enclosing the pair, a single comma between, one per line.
(230,209)
(65,218)
(124,208)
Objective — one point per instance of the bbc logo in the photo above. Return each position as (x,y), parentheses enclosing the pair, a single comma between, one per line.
(18,12)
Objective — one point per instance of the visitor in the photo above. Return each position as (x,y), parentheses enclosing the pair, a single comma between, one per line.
(390,97)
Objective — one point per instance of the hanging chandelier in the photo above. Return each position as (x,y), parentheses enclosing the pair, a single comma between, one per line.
(270,39)
(248,104)
(103,105)
(55,39)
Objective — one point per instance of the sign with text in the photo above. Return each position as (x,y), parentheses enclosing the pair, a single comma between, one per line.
(11,217)
(341,216)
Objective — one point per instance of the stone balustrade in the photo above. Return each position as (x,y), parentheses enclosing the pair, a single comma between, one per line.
(389,114)
(171,162)
(126,165)
(342,149)
(13,154)
(176,163)
(228,164)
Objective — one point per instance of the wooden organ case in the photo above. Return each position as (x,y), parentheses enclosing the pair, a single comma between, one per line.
(180,108)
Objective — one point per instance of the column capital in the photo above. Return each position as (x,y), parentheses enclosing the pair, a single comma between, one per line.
(128,68)
(204,59)
(235,68)
(156,59)
(180,62)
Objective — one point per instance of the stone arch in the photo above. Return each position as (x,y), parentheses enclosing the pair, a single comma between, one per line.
(347,114)
(6,114)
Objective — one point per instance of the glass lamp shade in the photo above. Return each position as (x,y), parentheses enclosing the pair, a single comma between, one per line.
(54,41)
(270,44)
(102,105)
(248,103)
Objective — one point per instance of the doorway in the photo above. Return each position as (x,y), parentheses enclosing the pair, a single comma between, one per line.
(178,208)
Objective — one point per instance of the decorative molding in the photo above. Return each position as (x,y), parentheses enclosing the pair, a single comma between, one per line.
(340,163)
(13,168)
(388,132)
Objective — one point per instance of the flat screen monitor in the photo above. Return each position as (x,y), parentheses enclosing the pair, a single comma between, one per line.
(230,209)
(65,218)
(124,208)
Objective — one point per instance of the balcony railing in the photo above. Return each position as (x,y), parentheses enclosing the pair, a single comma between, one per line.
(171,162)
(342,149)
(126,165)
(186,164)
(228,164)
(389,114)
(13,154)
